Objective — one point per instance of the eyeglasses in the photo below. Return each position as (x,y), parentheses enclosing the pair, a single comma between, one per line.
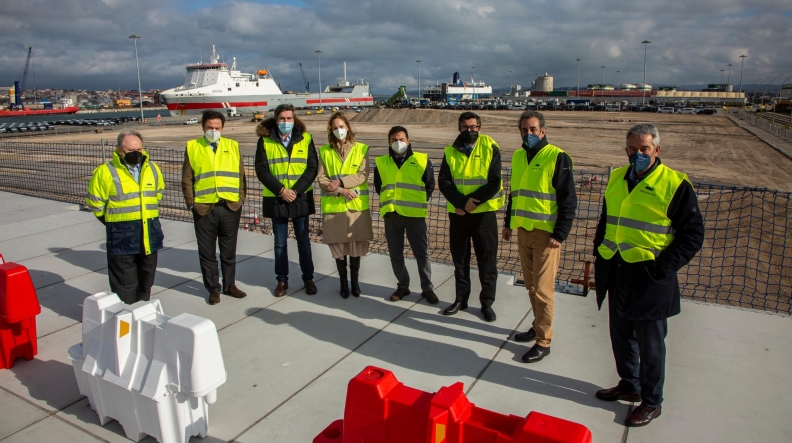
(470,128)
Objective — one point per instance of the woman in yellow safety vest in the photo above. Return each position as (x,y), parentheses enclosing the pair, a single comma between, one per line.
(346,219)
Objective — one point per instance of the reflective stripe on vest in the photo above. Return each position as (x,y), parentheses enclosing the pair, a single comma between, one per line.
(335,170)
(637,224)
(403,189)
(471,172)
(533,197)
(216,174)
(286,169)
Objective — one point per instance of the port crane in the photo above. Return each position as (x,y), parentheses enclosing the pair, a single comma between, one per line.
(19,86)
(307,89)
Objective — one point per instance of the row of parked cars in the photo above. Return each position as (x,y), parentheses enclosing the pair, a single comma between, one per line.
(50,125)
(25,127)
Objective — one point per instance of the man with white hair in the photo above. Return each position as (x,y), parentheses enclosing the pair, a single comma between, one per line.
(649,229)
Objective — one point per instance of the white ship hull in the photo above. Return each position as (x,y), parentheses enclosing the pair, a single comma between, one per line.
(194,103)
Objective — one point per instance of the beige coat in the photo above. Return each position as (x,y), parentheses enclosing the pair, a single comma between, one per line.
(346,226)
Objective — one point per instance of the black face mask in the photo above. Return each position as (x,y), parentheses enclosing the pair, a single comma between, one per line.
(470,137)
(133,158)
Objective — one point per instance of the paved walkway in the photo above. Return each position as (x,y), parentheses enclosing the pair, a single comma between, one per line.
(289,359)
(777,143)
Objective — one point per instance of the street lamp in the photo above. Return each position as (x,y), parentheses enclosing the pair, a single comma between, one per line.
(134,38)
(578,80)
(602,86)
(419,81)
(643,87)
(728,76)
(742,61)
(319,55)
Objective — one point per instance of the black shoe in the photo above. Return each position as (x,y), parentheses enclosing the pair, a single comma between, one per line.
(214,298)
(354,271)
(524,337)
(489,314)
(642,416)
(430,297)
(535,354)
(617,393)
(454,308)
(310,287)
(399,294)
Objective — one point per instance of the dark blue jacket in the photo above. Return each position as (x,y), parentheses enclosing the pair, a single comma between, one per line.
(126,238)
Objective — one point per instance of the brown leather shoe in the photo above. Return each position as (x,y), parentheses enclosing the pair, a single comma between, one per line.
(642,416)
(235,292)
(280,290)
(310,287)
(214,298)
(430,297)
(616,393)
(399,294)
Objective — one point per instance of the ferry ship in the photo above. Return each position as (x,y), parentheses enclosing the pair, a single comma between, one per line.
(457,91)
(214,86)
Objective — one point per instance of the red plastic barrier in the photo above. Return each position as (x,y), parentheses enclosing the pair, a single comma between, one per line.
(380,409)
(19,307)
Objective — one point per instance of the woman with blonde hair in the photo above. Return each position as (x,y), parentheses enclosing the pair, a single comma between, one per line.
(346,219)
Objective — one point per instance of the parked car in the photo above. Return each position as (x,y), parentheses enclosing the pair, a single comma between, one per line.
(707,111)
(687,111)
(192,121)
(667,110)
(613,107)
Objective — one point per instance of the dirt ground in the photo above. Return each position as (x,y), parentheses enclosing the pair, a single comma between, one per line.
(710,149)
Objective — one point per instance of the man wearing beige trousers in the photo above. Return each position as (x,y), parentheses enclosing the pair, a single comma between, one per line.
(541,207)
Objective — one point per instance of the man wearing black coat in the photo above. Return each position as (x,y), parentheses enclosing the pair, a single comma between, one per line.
(286,164)
(649,229)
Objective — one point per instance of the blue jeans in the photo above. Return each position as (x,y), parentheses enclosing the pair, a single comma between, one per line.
(280,229)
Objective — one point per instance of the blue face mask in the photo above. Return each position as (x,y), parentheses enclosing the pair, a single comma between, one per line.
(531,140)
(285,127)
(640,161)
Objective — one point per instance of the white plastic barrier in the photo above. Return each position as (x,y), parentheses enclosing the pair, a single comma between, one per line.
(155,374)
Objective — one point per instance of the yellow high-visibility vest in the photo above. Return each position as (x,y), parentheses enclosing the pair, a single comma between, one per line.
(403,189)
(335,170)
(533,197)
(216,173)
(471,172)
(114,194)
(287,169)
(637,223)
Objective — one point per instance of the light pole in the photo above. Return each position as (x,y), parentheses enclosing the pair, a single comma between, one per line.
(577,95)
(742,61)
(474,82)
(728,76)
(602,86)
(134,38)
(643,86)
(721,82)
(319,55)
(419,81)
(617,80)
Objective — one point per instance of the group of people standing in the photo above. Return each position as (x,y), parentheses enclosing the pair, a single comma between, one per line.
(650,225)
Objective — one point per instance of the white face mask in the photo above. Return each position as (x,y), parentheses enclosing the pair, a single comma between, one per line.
(340,133)
(212,136)
(399,147)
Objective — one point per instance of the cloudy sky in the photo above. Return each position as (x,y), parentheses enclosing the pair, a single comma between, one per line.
(84,44)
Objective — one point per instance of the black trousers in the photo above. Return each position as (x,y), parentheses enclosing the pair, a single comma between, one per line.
(639,350)
(132,276)
(482,229)
(219,226)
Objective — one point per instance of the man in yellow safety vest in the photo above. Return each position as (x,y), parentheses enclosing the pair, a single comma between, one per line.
(286,164)
(404,180)
(214,188)
(470,180)
(124,195)
(649,229)
(541,207)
